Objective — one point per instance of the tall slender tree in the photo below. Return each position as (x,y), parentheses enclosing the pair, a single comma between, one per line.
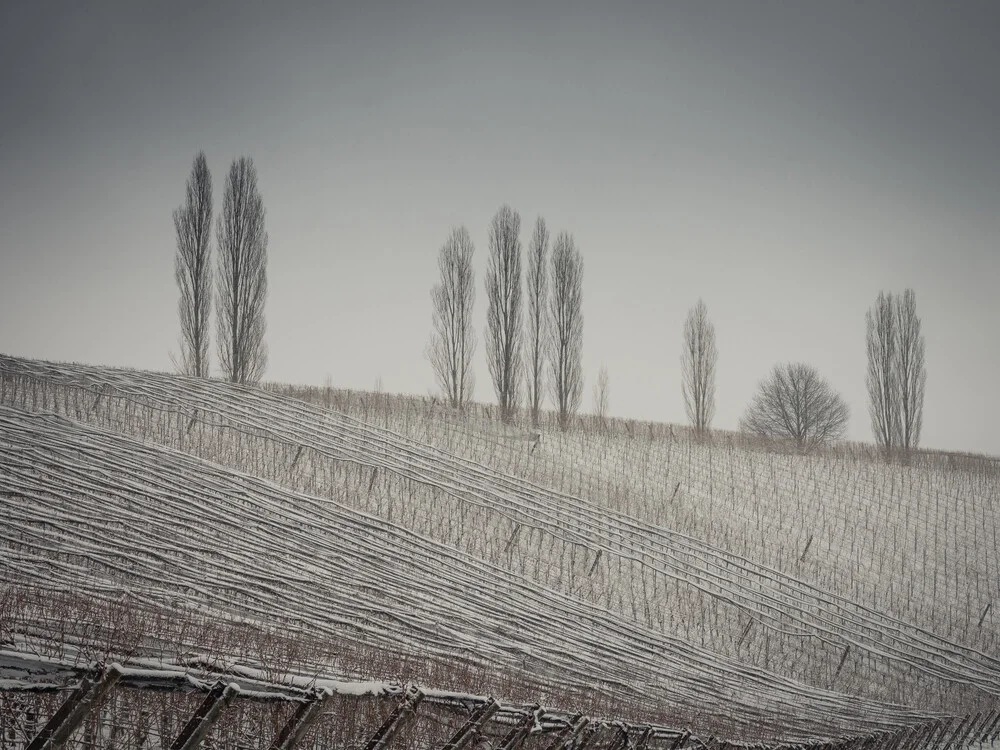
(537,316)
(602,397)
(897,372)
(192,268)
(880,322)
(503,309)
(453,342)
(566,333)
(698,367)
(242,276)
(911,372)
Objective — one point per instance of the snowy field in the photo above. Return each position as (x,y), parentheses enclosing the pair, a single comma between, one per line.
(430,564)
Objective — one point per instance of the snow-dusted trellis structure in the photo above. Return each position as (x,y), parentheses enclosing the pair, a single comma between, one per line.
(551,537)
(83,712)
(51,460)
(104,707)
(113,546)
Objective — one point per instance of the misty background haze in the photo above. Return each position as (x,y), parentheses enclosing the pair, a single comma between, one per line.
(784,162)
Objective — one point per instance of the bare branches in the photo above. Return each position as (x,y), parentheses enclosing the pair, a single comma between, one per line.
(453,343)
(242,276)
(881,379)
(503,313)
(602,396)
(566,335)
(795,402)
(193,224)
(698,367)
(897,370)
(537,316)
(911,371)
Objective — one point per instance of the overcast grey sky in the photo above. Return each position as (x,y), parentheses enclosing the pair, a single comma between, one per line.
(782,160)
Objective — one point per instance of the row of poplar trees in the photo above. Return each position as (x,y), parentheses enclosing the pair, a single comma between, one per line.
(240,274)
(534,326)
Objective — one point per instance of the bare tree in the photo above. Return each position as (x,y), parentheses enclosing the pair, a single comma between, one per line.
(242,276)
(453,342)
(880,323)
(503,309)
(193,224)
(698,367)
(537,316)
(566,332)
(911,372)
(897,372)
(602,396)
(795,402)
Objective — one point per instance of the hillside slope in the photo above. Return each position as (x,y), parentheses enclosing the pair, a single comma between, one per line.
(914,537)
(655,577)
(119,547)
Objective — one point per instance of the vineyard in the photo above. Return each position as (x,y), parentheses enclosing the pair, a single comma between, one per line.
(696,588)
(925,552)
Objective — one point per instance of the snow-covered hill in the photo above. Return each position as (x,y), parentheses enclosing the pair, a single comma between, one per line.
(420,564)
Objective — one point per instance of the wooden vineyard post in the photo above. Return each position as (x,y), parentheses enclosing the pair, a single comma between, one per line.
(516,735)
(866,741)
(578,723)
(74,710)
(682,738)
(896,738)
(471,728)
(990,721)
(745,633)
(644,738)
(975,730)
(994,726)
(593,565)
(198,725)
(806,550)
(907,736)
(940,731)
(980,732)
(923,738)
(958,731)
(403,713)
(966,734)
(983,616)
(587,737)
(944,738)
(620,741)
(303,718)
(840,666)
